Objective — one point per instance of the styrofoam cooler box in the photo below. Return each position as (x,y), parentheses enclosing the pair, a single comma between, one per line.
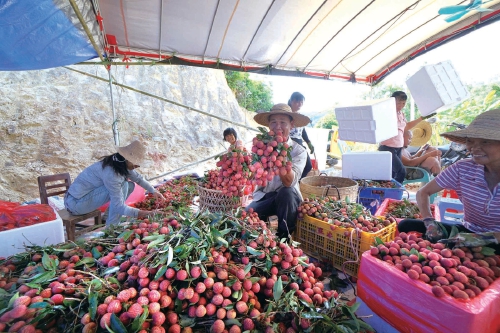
(42,234)
(367,165)
(370,122)
(436,87)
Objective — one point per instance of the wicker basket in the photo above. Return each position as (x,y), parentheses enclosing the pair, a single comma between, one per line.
(321,186)
(215,201)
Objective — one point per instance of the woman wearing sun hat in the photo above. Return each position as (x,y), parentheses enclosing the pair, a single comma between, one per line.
(106,181)
(476,181)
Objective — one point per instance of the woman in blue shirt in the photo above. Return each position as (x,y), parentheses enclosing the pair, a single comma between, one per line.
(107,181)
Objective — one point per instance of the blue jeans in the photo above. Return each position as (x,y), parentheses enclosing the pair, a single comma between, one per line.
(94,199)
(398,169)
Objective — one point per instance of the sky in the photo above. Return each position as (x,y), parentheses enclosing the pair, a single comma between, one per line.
(474,56)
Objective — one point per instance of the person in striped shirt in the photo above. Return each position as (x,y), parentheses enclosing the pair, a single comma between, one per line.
(476,181)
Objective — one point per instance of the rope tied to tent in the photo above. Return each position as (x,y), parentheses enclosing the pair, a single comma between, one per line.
(126,59)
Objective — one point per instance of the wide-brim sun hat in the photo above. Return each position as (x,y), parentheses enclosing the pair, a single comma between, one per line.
(484,126)
(299,120)
(135,152)
(422,133)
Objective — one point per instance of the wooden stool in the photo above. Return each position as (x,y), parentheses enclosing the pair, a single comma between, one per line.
(61,183)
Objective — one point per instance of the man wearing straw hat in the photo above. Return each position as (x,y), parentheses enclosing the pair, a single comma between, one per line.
(281,196)
(477,183)
(106,181)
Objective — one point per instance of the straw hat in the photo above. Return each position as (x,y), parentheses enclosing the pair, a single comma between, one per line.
(299,120)
(422,133)
(135,152)
(484,126)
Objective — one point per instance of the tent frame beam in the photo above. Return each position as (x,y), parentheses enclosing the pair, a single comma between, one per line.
(86,28)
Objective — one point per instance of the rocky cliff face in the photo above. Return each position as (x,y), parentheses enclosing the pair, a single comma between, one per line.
(57,120)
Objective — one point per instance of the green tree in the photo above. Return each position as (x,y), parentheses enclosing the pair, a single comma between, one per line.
(484,97)
(327,121)
(250,94)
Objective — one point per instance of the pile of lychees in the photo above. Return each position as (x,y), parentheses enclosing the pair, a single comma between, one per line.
(232,177)
(462,272)
(270,156)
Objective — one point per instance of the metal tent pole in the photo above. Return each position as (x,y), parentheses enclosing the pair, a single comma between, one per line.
(187,165)
(114,126)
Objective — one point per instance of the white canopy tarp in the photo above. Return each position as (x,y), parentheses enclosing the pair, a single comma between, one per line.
(333,39)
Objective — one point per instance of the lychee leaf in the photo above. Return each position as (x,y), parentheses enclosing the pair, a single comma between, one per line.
(95,253)
(12,299)
(378,241)
(43,277)
(33,286)
(222,240)
(117,325)
(47,262)
(237,295)
(231,282)
(111,270)
(156,242)
(160,272)
(112,279)
(420,257)
(253,251)
(93,304)
(138,321)
(230,322)
(414,251)
(125,235)
(39,305)
(186,321)
(248,268)
(109,329)
(278,289)
(487,251)
(254,279)
(85,261)
(170,255)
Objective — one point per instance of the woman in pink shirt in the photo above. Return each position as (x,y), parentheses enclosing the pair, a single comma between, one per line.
(476,181)
(394,145)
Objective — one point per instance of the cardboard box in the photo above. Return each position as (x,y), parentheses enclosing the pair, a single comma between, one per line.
(370,122)
(436,87)
(42,234)
(367,165)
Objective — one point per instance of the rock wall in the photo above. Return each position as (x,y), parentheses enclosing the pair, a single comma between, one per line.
(58,120)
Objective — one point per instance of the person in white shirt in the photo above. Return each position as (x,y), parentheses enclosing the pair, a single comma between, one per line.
(299,134)
(281,196)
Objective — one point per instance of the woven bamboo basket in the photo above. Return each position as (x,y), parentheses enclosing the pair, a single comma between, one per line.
(216,201)
(321,186)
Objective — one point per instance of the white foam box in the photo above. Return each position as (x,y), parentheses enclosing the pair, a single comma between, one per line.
(436,87)
(371,122)
(46,233)
(376,165)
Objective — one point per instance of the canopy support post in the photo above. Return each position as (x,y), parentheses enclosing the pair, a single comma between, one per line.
(114,126)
